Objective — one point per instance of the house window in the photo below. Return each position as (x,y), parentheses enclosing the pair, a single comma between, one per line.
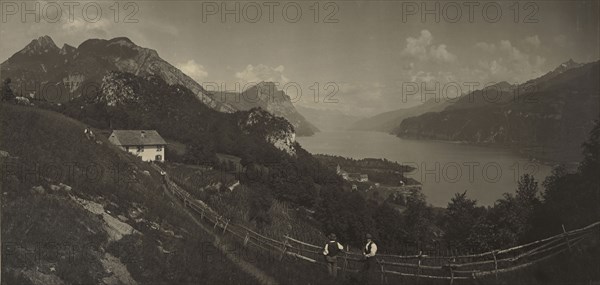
(158,157)
(140,148)
(159,148)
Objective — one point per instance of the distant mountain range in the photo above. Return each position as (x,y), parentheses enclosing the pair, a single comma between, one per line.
(266,96)
(386,122)
(43,70)
(550,115)
(328,119)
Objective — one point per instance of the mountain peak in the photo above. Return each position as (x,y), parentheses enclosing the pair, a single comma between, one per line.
(124,41)
(66,49)
(567,65)
(41,45)
(46,41)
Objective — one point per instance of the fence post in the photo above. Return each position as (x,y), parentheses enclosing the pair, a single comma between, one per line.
(419,266)
(346,259)
(383,281)
(566,237)
(284,248)
(451,275)
(225,227)
(495,265)
(216,222)
(246,239)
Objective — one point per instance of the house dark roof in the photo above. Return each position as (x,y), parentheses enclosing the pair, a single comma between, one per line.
(136,137)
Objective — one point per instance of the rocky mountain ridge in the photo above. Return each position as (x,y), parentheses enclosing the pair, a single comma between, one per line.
(42,70)
(553,114)
(267,96)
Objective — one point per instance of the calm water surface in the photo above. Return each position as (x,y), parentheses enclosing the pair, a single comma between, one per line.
(443,168)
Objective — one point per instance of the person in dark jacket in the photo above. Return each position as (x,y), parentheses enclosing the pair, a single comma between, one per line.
(330,251)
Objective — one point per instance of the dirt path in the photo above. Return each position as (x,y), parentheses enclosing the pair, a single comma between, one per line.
(249,268)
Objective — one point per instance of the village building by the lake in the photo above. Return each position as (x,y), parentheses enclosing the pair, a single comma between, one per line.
(359,177)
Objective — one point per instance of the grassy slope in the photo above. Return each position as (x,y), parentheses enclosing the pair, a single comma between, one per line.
(33,223)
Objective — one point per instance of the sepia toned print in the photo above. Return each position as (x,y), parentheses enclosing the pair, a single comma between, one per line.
(299,142)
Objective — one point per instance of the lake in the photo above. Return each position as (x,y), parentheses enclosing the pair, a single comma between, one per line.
(444,168)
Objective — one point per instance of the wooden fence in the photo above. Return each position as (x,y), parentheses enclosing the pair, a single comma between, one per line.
(451,268)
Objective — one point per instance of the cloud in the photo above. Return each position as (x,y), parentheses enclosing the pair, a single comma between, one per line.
(422,76)
(417,47)
(491,48)
(512,64)
(193,70)
(423,49)
(262,72)
(441,54)
(78,25)
(533,40)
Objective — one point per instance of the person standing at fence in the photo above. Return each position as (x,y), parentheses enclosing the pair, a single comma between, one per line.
(369,261)
(331,250)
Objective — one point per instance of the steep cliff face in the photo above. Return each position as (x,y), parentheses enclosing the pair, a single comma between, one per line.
(116,90)
(267,96)
(275,130)
(557,112)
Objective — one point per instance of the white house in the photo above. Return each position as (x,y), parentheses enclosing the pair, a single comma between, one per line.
(147,144)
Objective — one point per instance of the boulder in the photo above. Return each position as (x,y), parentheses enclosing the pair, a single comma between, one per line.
(65,187)
(22,101)
(38,189)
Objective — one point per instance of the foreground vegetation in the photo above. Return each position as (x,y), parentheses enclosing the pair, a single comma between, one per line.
(49,237)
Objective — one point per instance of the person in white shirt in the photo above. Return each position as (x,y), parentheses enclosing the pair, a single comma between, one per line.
(369,252)
(330,251)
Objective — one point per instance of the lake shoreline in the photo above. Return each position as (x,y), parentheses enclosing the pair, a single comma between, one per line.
(551,156)
(443,168)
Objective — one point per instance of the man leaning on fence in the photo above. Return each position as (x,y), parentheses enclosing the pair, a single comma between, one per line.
(331,250)
(369,252)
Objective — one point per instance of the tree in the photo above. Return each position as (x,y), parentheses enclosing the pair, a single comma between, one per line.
(590,166)
(526,204)
(7,92)
(419,218)
(527,191)
(390,227)
(462,214)
(571,199)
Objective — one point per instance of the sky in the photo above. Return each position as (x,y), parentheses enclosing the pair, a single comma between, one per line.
(359,57)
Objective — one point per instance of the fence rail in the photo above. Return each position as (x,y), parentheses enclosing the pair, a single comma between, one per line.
(417,266)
